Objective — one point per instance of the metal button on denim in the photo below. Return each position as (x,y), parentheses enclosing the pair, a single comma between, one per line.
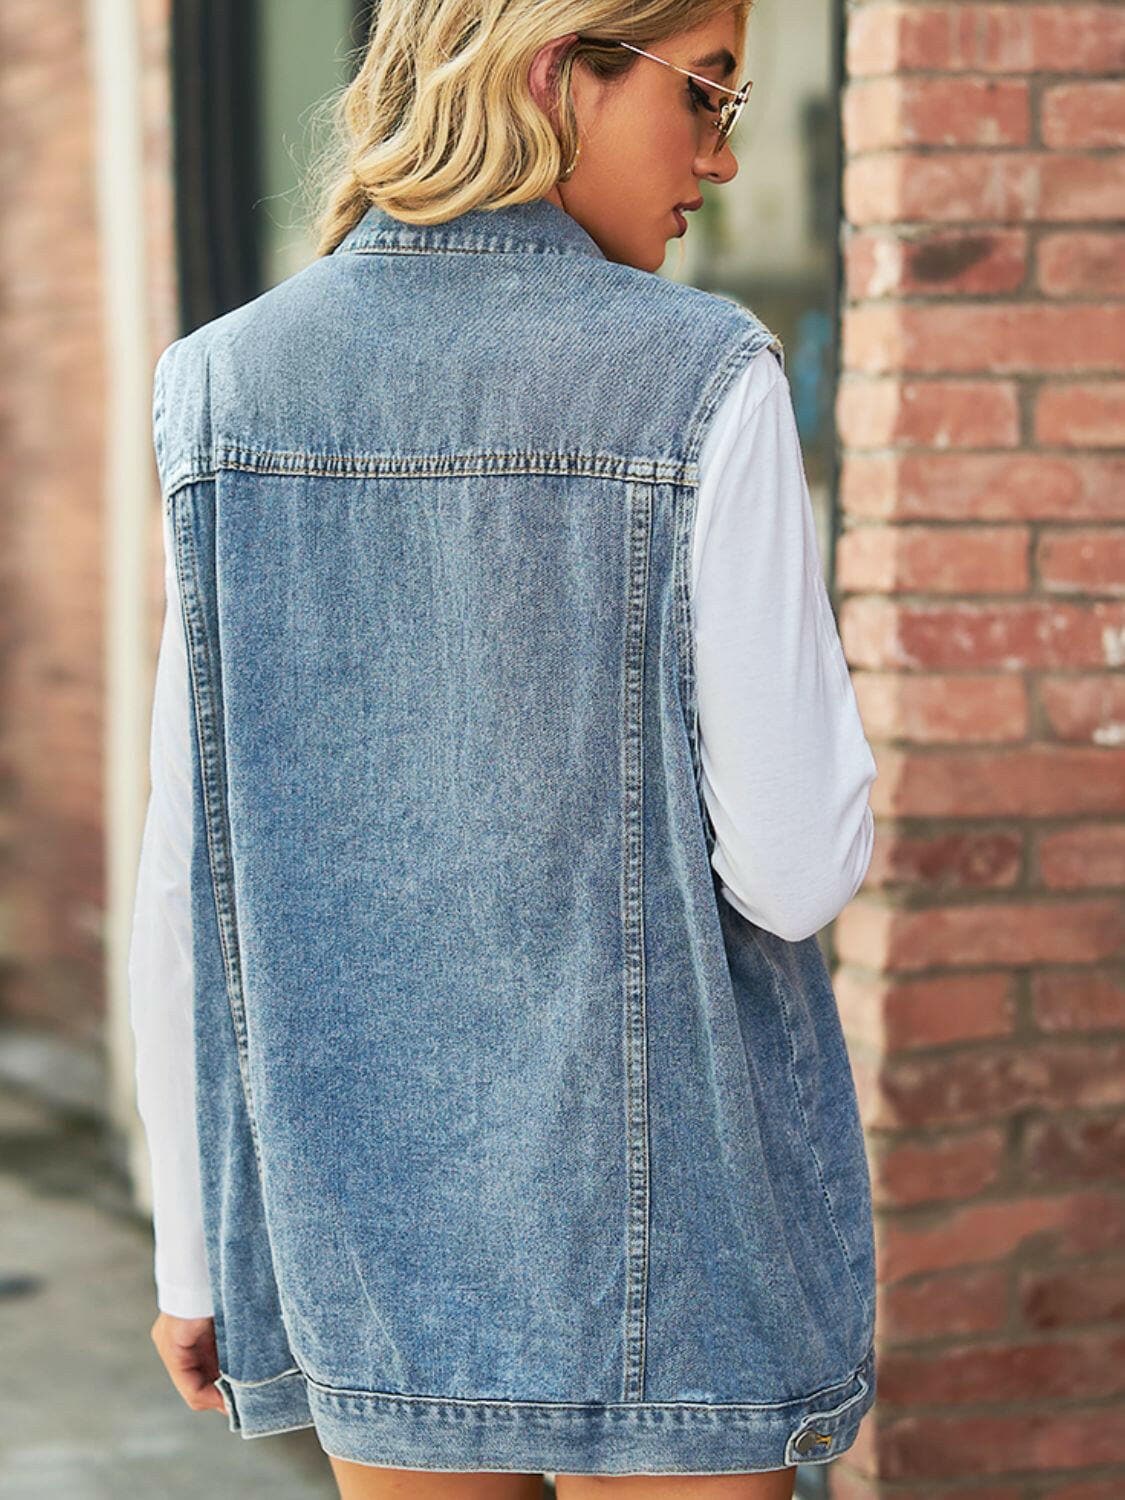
(809,1440)
(520,1148)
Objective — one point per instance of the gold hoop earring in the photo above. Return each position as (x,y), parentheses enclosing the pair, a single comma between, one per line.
(569,173)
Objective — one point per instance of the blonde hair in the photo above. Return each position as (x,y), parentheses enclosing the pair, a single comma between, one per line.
(440,117)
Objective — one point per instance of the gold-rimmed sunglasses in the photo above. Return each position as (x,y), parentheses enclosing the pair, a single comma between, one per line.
(728,111)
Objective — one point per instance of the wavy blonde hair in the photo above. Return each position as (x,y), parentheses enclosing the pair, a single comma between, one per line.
(440,117)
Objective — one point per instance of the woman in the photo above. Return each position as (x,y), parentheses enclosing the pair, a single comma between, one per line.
(505,764)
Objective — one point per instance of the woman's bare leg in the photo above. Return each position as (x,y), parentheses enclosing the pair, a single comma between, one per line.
(772,1484)
(369,1482)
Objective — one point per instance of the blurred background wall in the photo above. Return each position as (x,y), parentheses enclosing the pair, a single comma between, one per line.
(929,211)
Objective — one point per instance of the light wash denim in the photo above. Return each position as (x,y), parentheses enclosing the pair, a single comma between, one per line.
(521,1148)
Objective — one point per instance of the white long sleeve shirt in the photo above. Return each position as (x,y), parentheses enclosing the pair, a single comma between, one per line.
(787,772)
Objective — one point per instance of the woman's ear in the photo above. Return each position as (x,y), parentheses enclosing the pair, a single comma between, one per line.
(543,72)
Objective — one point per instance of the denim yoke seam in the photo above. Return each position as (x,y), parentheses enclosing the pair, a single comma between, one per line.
(639,510)
(231,455)
(487,243)
(779,993)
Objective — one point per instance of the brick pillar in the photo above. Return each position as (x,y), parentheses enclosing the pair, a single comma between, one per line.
(981,570)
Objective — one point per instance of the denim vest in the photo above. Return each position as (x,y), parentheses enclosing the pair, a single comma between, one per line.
(521,1149)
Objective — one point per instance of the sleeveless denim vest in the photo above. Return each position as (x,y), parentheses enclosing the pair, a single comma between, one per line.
(521,1148)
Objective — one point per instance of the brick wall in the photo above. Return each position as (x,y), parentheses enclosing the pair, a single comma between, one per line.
(981,570)
(52,521)
(50,559)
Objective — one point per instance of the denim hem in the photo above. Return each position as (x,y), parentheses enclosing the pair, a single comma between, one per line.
(638,1437)
(261,1408)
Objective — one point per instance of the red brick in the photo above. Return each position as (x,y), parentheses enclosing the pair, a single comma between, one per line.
(1090,855)
(1083,114)
(930,413)
(959,708)
(934,559)
(923,1091)
(946,862)
(1088,1366)
(888,187)
(1057,1297)
(53,540)
(882,632)
(1073,186)
(1087,707)
(1089,414)
(1086,1148)
(1028,338)
(1080,263)
(944,1305)
(902,111)
(1083,1222)
(907,1173)
(903,1014)
(1014,38)
(927,261)
(1076,39)
(1079,1000)
(893,187)
(985,487)
(983,932)
(1087,561)
(941,1447)
(1107,1488)
(1036,781)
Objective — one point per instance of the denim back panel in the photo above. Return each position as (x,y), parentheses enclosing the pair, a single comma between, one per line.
(508,1100)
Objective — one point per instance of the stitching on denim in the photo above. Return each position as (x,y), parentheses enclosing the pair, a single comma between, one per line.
(213,782)
(194,634)
(505,247)
(727,369)
(196,639)
(246,458)
(640,468)
(189,475)
(585,1408)
(685,631)
(265,1380)
(214,807)
(276,1431)
(844,1406)
(636,1062)
(779,991)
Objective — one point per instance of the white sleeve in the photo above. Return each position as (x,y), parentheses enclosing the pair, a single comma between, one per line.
(160,980)
(786,765)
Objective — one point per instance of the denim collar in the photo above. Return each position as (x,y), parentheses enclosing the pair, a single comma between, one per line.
(513,228)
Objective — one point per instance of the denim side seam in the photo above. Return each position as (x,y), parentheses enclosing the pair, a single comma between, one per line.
(845,1252)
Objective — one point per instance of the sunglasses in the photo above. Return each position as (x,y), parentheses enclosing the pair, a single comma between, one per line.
(728,111)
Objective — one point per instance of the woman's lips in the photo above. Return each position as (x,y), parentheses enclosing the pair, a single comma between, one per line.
(681,222)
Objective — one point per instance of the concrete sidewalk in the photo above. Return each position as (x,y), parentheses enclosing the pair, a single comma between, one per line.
(87,1410)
